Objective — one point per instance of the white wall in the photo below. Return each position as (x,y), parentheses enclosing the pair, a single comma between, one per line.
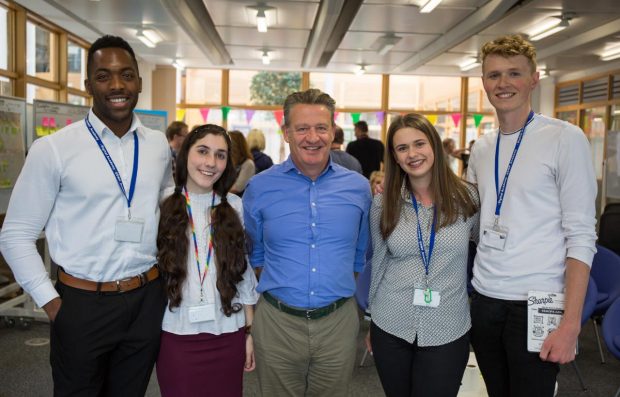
(145,100)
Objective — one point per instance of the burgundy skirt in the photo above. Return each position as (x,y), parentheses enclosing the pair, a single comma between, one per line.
(201,365)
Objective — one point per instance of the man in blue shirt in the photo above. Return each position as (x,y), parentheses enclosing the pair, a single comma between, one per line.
(308,222)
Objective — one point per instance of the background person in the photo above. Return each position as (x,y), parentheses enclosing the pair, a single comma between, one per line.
(108,303)
(210,291)
(368,151)
(242,160)
(339,156)
(256,143)
(418,291)
(176,133)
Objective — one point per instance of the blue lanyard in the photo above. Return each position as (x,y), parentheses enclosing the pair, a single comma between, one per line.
(426,260)
(117,175)
(500,193)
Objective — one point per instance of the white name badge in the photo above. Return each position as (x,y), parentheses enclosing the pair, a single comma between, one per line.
(495,237)
(129,230)
(200,313)
(431,301)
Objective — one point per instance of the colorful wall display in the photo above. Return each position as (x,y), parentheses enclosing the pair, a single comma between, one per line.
(153,119)
(49,117)
(12,132)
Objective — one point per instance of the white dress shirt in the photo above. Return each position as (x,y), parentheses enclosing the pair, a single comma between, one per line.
(67,187)
(176,320)
(548,208)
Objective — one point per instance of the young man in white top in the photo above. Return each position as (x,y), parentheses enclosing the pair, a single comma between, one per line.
(537,226)
(95,187)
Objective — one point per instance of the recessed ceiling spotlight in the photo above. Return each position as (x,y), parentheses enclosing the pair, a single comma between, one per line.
(360,70)
(266,58)
(551,26)
(261,16)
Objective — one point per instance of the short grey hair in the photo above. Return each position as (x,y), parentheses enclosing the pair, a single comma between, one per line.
(312,96)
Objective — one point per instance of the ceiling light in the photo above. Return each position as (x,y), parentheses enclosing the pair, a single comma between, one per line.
(385,43)
(611,52)
(551,26)
(152,35)
(261,21)
(265,57)
(543,73)
(429,6)
(361,69)
(145,40)
(470,63)
(177,64)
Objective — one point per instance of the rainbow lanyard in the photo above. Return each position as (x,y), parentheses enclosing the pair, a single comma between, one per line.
(191,223)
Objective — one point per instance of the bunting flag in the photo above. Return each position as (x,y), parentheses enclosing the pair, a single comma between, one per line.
(204,112)
(279,115)
(478,119)
(456,118)
(355,117)
(336,116)
(249,113)
(225,111)
(180,114)
(432,118)
(380,117)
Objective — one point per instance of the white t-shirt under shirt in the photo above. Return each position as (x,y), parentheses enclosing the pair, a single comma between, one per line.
(548,208)
(177,320)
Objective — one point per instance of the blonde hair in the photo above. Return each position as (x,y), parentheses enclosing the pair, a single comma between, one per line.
(256,139)
(510,46)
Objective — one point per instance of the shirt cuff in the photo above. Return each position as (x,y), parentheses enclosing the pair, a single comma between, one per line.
(44,293)
(583,254)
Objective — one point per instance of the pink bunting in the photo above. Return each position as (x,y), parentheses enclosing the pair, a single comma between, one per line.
(204,112)
(249,113)
(380,117)
(52,122)
(279,115)
(456,118)
(45,122)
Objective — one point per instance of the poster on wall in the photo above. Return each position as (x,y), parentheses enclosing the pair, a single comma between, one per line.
(612,177)
(153,119)
(12,132)
(49,117)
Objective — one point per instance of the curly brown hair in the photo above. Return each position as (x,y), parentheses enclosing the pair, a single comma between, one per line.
(229,239)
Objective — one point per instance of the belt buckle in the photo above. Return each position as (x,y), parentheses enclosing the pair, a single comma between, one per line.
(118,283)
(309,313)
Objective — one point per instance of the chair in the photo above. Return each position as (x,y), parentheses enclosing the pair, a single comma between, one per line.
(589,303)
(611,332)
(606,273)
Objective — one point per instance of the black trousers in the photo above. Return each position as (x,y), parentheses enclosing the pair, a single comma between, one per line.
(499,338)
(406,369)
(105,344)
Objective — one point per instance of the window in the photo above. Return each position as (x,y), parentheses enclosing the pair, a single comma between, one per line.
(344,121)
(6,86)
(425,93)
(348,90)
(37,92)
(4,38)
(594,127)
(570,116)
(77,100)
(203,86)
(41,52)
(477,100)
(76,66)
(262,88)
(275,146)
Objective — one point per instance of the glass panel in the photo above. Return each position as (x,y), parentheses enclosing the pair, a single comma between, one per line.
(193,117)
(615,117)
(345,122)
(477,96)
(4,38)
(570,116)
(262,88)
(76,66)
(6,86)
(275,146)
(594,127)
(348,90)
(41,52)
(77,100)
(38,92)
(203,86)
(425,93)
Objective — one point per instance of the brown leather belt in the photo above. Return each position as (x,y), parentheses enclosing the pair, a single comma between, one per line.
(124,285)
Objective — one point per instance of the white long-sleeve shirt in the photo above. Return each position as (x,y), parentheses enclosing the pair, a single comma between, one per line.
(67,187)
(548,208)
(176,320)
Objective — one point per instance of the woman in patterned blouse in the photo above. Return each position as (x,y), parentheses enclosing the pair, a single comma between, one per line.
(421,225)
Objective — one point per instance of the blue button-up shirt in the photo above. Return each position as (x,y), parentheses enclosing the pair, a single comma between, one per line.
(309,236)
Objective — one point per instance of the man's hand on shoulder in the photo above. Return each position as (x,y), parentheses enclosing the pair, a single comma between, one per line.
(52,307)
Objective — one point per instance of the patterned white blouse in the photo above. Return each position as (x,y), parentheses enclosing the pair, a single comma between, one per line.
(397,269)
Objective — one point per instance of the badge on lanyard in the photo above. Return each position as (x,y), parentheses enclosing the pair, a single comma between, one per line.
(495,235)
(425,296)
(127,229)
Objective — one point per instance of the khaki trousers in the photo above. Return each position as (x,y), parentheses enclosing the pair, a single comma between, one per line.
(299,357)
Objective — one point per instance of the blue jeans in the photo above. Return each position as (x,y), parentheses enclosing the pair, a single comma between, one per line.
(499,339)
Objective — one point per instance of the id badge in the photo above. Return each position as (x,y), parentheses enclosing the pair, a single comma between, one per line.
(423,298)
(494,236)
(201,313)
(129,230)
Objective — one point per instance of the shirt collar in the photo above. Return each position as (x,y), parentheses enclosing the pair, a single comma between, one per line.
(101,128)
(289,165)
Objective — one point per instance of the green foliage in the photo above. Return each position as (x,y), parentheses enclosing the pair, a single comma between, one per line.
(272,88)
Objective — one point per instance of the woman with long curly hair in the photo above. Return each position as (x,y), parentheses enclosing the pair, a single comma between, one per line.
(206,341)
(421,226)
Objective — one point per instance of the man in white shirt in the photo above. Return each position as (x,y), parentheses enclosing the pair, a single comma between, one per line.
(95,187)
(539,236)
